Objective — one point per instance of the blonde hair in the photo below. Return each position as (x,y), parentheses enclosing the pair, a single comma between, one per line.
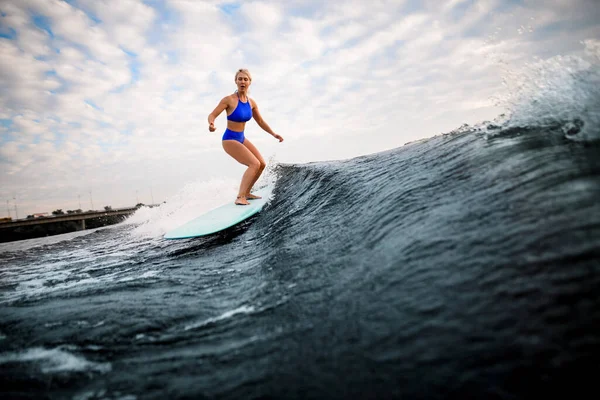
(242,71)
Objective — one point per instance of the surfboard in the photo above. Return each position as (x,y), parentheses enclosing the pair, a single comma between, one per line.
(218,219)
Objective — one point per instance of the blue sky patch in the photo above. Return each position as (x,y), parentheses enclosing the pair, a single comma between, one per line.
(59,139)
(6,137)
(9,33)
(459,11)
(43,58)
(172,56)
(93,105)
(134,65)
(128,52)
(229,8)
(351,42)
(166,19)
(412,6)
(103,124)
(43,23)
(90,14)
(64,85)
(134,68)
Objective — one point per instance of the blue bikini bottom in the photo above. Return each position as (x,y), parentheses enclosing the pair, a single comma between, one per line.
(233,135)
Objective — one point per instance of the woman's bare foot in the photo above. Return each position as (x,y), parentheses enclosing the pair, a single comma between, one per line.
(253,197)
(241,201)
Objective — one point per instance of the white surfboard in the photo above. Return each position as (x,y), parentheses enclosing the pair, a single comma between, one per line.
(218,219)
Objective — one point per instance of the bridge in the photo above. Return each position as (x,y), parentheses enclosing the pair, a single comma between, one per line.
(82,216)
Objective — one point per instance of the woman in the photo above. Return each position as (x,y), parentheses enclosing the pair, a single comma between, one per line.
(240,108)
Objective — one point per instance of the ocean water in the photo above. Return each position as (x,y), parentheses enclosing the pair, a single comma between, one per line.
(462,266)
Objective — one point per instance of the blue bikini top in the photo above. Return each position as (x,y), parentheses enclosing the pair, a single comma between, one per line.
(242,113)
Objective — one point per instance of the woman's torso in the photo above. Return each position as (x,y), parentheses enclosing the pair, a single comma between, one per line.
(239,111)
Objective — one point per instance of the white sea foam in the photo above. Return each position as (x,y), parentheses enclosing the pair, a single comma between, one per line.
(22,245)
(145,275)
(187,204)
(54,360)
(563,90)
(193,200)
(102,394)
(225,315)
(45,280)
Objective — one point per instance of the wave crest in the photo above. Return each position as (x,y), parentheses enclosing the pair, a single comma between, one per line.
(562,92)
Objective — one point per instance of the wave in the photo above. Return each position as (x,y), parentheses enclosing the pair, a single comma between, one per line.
(56,360)
(563,91)
(466,252)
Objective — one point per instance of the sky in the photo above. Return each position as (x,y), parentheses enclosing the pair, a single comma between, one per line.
(105,102)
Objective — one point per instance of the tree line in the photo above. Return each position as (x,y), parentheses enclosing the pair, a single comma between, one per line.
(78,211)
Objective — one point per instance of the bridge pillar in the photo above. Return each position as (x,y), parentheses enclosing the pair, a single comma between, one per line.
(83,224)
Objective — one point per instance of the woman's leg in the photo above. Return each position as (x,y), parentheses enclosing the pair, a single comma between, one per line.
(261,168)
(244,156)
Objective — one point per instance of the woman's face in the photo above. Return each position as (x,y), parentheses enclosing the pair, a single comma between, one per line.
(243,82)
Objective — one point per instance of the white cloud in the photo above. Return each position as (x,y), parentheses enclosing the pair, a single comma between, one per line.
(345,32)
(261,16)
(126,21)
(22,77)
(336,79)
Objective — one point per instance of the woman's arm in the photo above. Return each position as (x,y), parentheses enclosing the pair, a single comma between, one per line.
(215,113)
(262,123)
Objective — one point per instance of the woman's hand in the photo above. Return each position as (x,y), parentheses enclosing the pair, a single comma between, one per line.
(211,127)
(276,136)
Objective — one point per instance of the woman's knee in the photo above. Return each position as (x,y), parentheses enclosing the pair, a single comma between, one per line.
(255,165)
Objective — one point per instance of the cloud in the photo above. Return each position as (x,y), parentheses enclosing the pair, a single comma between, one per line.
(22,78)
(261,16)
(105,95)
(126,22)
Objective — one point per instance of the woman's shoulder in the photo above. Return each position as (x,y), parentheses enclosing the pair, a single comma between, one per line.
(229,99)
